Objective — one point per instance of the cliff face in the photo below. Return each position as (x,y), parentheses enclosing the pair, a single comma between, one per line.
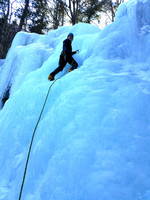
(92,141)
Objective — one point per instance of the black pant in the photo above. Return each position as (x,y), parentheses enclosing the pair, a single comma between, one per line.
(62,62)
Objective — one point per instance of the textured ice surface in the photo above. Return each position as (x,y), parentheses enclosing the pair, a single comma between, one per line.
(93,141)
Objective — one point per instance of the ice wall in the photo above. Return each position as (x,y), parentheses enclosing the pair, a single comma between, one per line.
(93,140)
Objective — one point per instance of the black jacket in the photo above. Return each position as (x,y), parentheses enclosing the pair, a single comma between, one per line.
(67,48)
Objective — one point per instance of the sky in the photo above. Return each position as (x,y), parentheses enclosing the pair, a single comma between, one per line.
(103,21)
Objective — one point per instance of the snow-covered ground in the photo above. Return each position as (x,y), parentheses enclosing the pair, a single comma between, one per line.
(93,140)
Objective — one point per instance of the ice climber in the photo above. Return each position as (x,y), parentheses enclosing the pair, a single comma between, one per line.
(65,57)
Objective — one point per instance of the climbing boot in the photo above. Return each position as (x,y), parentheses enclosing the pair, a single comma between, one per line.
(70,70)
(51,77)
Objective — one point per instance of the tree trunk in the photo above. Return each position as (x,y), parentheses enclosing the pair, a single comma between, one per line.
(24,15)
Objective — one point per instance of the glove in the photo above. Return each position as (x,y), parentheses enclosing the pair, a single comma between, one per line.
(77,51)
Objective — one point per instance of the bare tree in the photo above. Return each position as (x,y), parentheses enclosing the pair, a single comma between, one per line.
(38,16)
(7,30)
(24,15)
(90,10)
(110,8)
(72,10)
(57,13)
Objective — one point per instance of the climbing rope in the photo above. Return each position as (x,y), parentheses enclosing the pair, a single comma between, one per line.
(31,143)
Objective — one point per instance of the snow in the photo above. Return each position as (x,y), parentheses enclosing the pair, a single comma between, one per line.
(92,142)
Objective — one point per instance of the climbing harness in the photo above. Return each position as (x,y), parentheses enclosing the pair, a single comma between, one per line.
(31,143)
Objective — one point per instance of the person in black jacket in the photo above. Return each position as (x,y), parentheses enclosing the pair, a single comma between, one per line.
(65,57)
